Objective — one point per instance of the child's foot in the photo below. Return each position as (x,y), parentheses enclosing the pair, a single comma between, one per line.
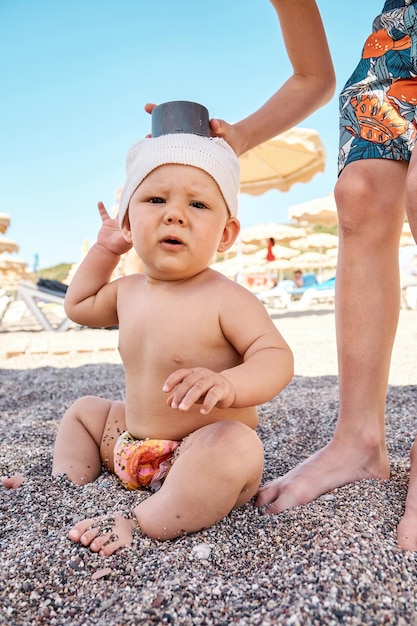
(105,534)
(12,482)
(332,466)
(407,533)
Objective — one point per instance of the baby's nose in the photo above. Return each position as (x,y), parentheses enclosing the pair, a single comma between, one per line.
(172,219)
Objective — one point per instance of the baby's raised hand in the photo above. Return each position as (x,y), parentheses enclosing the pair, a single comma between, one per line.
(110,235)
(199,385)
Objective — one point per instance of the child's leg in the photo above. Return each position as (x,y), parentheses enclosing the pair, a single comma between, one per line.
(86,438)
(370,195)
(407,528)
(219,468)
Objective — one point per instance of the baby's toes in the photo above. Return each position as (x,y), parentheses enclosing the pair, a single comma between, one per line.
(112,544)
(84,532)
(101,543)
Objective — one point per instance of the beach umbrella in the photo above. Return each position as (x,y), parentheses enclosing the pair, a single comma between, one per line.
(7,245)
(283,252)
(247,262)
(261,233)
(279,265)
(319,241)
(4,222)
(312,260)
(246,248)
(318,211)
(282,233)
(292,157)
(280,253)
(332,253)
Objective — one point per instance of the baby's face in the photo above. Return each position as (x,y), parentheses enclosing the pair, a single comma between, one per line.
(177,220)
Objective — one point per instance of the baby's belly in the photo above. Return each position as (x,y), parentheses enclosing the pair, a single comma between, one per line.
(144,422)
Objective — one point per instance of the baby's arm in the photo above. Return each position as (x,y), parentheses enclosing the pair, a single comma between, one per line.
(310,86)
(268,364)
(91,297)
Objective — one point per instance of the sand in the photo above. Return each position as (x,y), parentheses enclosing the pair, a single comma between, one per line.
(333,561)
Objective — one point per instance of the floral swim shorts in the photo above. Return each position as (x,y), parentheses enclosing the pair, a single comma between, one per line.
(378,104)
(143,463)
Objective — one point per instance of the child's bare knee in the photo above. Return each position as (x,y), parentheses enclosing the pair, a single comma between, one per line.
(239,447)
(351,194)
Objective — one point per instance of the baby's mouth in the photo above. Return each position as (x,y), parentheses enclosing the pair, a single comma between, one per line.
(172,241)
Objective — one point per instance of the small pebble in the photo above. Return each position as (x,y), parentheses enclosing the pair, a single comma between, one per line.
(100,573)
(202,551)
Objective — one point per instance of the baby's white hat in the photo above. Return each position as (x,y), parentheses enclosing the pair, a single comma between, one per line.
(211,154)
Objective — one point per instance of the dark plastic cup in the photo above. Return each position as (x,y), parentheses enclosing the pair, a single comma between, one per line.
(180,116)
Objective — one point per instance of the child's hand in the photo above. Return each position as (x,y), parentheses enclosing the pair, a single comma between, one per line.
(228,132)
(196,385)
(110,235)
(149,107)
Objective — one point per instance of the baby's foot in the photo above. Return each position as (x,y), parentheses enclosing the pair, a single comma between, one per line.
(12,482)
(332,466)
(105,534)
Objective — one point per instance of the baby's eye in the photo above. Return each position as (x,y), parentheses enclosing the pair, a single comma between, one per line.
(199,205)
(156,200)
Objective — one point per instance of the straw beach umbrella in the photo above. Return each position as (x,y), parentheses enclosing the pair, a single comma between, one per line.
(4,222)
(312,260)
(7,245)
(292,157)
(317,241)
(280,232)
(318,211)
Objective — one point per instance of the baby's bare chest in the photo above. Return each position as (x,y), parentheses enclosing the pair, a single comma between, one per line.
(174,337)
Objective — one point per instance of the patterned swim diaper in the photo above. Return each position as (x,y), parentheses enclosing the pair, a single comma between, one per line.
(143,462)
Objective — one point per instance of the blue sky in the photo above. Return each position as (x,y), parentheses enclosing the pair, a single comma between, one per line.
(75,75)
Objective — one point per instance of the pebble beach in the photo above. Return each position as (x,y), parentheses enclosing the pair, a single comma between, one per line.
(333,561)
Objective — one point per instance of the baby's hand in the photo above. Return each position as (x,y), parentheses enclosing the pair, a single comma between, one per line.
(196,385)
(110,235)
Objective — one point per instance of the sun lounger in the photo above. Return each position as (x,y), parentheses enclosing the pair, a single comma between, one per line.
(310,280)
(275,298)
(321,292)
(40,300)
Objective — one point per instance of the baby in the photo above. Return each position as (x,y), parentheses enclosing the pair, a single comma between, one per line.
(200,352)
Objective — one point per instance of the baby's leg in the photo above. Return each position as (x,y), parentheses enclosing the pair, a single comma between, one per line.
(218,468)
(407,528)
(86,438)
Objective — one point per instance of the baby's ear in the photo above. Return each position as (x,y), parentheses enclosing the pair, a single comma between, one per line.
(230,233)
(125,228)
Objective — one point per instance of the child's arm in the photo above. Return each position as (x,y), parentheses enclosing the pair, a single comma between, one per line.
(268,364)
(91,297)
(310,87)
